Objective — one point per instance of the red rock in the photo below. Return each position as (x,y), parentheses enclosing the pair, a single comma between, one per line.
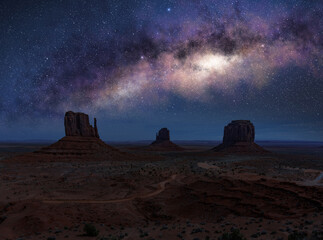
(239,137)
(79,146)
(81,141)
(163,143)
(239,131)
(162,135)
(77,124)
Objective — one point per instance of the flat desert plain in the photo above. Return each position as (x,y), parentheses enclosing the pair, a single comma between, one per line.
(195,193)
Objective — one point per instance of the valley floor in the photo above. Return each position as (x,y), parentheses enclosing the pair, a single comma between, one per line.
(193,194)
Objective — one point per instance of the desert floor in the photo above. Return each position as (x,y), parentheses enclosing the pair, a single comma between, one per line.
(192,194)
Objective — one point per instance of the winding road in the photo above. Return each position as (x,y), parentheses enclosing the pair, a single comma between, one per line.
(161,188)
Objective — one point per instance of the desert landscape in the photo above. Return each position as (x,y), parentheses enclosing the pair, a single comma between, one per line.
(82,188)
(161,120)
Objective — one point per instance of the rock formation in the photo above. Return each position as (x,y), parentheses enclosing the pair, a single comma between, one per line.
(239,136)
(81,140)
(163,142)
(239,131)
(77,124)
(162,135)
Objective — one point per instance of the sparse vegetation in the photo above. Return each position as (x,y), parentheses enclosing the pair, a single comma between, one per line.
(196,230)
(110,238)
(163,222)
(297,236)
(316,235)
(90,230)
(234,235)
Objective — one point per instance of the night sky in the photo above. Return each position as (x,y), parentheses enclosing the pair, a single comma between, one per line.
(139,65)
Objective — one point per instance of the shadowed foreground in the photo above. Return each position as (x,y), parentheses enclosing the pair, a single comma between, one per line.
(192,194)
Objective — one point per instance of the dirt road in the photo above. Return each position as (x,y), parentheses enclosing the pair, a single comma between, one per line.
(161,188)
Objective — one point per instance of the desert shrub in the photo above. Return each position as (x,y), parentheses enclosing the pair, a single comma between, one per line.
(234,235)
(297,236)
(143,234)
(317,235)
(110,238)
(196,230)
(90,230)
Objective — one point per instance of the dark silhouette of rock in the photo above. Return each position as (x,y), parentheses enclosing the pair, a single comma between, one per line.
(77,124)
(81,140)
(78,146)
(163,142)
(239,131)
(239,136)
(162,135)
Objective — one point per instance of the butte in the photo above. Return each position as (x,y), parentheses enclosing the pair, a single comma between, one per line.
(81,142)
(239,137)
(163,142)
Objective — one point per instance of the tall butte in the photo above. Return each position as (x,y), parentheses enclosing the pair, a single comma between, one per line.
(239,137)
(77,124)
(163,142)
(81,140)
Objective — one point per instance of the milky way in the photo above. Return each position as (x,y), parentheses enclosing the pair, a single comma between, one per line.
(118,57)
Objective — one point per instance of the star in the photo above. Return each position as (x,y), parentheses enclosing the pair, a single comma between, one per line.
(136,58)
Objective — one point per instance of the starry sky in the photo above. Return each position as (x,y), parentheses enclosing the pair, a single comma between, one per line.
(140,65)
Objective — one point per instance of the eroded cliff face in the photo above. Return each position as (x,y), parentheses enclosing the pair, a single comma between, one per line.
(77,124)
(239,137)
(163,142)
(239,131)
(81,142)
(163,135)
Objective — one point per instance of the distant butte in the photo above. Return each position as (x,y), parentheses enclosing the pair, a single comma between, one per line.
(163,141)
(81,140)
(239,137)
(162,136)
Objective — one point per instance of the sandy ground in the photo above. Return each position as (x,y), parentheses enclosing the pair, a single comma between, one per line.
(194,194)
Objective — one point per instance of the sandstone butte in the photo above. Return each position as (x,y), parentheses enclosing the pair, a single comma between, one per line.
(239,137)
